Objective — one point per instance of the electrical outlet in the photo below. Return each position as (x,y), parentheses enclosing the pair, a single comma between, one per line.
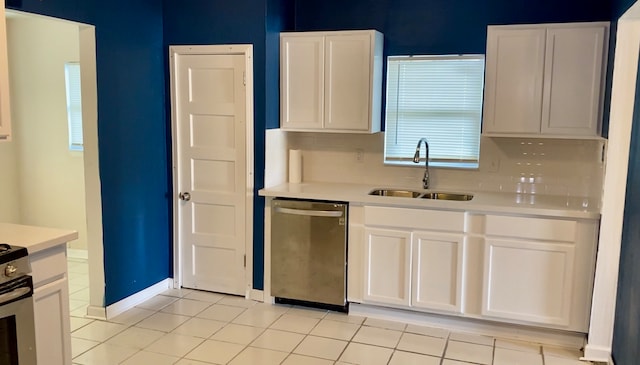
(359,155)
(494,165)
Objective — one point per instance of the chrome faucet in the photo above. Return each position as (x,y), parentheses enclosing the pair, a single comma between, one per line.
(416,159)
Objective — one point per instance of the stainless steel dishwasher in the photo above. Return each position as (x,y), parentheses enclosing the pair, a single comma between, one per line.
(309,253)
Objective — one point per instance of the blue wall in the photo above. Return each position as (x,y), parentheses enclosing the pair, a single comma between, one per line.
(627,321)
(131,136)
(440,27)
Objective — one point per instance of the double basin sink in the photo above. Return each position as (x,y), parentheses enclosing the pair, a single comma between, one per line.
(399,193)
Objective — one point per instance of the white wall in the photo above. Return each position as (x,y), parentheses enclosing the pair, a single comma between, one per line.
(50,177)
(9,207)
(542,166)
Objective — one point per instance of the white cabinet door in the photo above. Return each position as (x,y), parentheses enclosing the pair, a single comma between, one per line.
(437,271)
(545,80)
(528,281)
(51,310)
(302,82)
(5,114)
(348,81)
(331,81)
(513,82)
(387,275)
(573,77)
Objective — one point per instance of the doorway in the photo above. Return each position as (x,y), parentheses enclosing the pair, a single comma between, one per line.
(212,129)
(52,184)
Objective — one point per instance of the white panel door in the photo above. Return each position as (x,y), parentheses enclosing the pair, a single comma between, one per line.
(437,271)
(211,122)
(387,266)
(528,281)
(302,82)
(573,78)
(513,82)
(5,114)
(348,82)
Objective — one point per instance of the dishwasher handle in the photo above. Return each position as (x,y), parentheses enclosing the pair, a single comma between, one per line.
(310,213)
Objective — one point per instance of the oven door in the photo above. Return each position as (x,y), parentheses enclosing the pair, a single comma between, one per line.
(17,328)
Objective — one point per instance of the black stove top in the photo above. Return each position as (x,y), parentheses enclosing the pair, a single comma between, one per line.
(11,253)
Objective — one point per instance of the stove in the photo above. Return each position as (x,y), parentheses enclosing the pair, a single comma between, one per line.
(14,262)
(17,324)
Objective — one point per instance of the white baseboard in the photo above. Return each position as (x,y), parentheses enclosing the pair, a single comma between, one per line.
(137,298)
(96,312)
(480,327)
(257,295)
(597,354)
(74,253)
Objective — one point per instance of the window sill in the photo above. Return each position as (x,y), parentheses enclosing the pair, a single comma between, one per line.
(444,165)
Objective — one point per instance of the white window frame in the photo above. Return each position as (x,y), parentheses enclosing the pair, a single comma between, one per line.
(401,139)
(74,105)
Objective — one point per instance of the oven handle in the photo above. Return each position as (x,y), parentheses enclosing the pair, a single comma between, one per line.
(14,294)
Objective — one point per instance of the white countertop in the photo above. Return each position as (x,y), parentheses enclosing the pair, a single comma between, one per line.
(34,238)
(485,202)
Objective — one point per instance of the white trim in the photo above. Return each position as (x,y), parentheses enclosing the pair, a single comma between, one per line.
(257,295)
(96,312)
(93,194)
(597,354)
(74,253)
(477,326)
(623,95)
(247,51)
(102,313)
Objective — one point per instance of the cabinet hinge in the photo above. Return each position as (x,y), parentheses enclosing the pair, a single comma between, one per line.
(245,260)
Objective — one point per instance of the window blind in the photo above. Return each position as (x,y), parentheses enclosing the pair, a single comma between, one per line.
(438,98)
(74,105)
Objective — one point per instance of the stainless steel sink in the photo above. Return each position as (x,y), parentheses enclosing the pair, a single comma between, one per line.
(395,193)
(421,194)
(447,196)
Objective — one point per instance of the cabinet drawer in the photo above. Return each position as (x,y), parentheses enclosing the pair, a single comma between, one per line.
(48,265)
(531,228)
(438,220)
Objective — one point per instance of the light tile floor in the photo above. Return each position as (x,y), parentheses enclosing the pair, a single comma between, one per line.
(188,327)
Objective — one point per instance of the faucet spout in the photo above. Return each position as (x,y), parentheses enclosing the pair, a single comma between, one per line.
(416,159)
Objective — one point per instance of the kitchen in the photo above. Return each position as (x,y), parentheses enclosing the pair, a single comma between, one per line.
(134,199)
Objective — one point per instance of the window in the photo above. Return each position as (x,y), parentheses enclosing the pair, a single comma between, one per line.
(74,105)
(438,98)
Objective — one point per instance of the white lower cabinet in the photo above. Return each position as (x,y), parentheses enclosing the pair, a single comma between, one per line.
(528,281)
(539,270)
(527,270)
(436,281)
(51,307)
(387,266)
(406,266)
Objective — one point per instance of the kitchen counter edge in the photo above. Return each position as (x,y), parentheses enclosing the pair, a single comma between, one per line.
(35,239)
(482,202)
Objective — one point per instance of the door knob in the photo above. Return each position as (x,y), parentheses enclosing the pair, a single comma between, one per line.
(185,196)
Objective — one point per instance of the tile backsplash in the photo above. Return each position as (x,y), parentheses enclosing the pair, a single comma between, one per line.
(528,166)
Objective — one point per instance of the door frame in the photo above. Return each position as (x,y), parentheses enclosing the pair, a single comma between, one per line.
(623,93)
(245,50)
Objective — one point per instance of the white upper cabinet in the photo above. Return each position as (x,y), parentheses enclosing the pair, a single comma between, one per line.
(331,81)
(545,80)
(5,114)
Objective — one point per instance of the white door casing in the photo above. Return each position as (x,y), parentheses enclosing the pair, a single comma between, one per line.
(212,125)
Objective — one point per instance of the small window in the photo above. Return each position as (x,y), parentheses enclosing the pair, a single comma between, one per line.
(74,105)
(438,98)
